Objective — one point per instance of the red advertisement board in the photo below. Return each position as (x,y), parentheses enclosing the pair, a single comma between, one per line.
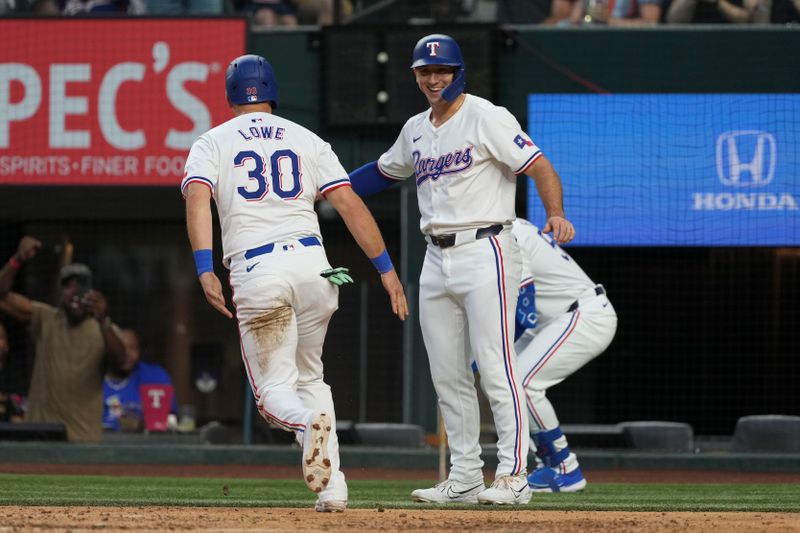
(110,102)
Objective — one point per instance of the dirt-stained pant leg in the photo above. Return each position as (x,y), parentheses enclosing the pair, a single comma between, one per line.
(268,300)
(268,330)
(316,299)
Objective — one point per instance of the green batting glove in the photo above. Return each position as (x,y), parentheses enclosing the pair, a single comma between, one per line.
(338,276)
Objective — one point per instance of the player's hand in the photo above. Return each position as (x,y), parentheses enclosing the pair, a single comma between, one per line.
(27,248)
(212,288)
(562,229)
(395,289)
(95,304)
(338,276)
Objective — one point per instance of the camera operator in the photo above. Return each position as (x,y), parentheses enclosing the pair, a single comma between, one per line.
(73,343)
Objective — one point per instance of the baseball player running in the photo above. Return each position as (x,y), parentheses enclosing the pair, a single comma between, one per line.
(465,155)
(564,320)
(264,173)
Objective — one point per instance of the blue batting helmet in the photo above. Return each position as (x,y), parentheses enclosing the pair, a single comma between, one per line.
(439,49)
(249,80)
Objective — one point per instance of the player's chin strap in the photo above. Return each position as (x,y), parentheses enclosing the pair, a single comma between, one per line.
(456,87)
(367,180)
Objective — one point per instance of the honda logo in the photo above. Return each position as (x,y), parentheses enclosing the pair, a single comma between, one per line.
(746,158)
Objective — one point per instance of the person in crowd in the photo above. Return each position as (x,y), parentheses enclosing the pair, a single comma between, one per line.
(636,13)
(74,341)
(102,7)
(269,13)
(184,7)
(137,395)
(11,401)
(717,11)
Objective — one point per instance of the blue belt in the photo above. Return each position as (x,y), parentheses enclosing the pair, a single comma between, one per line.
(268,248)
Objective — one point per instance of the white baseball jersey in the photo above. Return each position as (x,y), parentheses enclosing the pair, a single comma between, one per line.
(558,278)
(466,169)
(265,173)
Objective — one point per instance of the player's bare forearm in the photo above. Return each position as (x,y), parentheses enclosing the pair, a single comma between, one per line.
(365,231)
(358,220)
(199,227)
(548,185)
(198,216)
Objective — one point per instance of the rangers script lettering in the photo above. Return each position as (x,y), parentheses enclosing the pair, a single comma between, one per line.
(450,163)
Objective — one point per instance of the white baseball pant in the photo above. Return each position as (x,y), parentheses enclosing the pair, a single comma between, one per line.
(468,296)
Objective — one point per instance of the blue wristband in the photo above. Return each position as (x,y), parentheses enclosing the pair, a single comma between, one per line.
(203,261)
(383,263)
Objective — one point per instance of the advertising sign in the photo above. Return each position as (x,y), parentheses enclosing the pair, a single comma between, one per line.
(673,169)
(109,101)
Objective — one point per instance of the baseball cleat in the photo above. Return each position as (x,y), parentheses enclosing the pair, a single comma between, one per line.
(507,490)
(549,480)
(450,491)
(316,464)
(330,506)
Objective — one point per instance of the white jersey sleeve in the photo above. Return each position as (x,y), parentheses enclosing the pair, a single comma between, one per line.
(507,143)
(330,174)
(202,165)
(398,163)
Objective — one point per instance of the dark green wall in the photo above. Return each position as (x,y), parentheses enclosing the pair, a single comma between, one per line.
(548,60)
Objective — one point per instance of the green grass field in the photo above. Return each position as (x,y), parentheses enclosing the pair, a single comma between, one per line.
(130,491)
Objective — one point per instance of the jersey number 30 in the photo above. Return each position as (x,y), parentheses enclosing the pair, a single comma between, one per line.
(279,161)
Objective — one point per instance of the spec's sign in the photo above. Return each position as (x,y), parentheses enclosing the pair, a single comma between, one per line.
(109,102)
(674,169)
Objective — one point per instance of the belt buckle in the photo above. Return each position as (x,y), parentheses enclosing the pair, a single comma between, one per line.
(444,241)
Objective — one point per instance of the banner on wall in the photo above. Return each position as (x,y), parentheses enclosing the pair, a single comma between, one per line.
(673,169)
(110,102)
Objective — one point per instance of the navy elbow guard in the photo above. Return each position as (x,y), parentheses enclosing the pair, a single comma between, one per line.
(367,180)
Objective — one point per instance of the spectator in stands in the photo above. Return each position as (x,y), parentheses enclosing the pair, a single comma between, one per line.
(636,13)
(184,7)
(137,395)
(781,11)
(321,12)
(11,402)
(46,7)
(565,13)
(718,11)
(102,7)
(269,13)
(73,343)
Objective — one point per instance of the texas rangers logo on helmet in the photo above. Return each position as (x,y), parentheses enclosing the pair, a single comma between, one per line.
(433,46)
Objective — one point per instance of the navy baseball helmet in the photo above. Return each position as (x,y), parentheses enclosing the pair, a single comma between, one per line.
(249,80)
(439,49)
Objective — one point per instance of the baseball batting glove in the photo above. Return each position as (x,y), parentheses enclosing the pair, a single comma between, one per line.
(338,276)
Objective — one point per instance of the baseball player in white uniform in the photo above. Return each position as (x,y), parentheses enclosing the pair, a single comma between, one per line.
(465,155)
(564,320)
(264,173)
